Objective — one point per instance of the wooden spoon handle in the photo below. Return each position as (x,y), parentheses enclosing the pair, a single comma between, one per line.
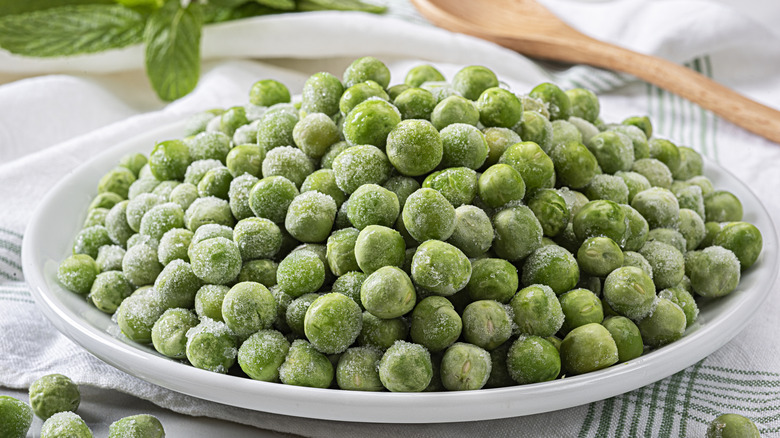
(684,82)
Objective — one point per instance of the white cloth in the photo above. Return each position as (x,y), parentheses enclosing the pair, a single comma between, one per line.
(50,124)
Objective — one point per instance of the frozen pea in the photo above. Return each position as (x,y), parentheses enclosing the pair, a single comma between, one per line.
(574,201)
(473,232)
(711,230)
(140,186)
(377,246)
(421,74)
(518,233)
(414,147)
(300,272)
(669,236)
(184,195)
(315,133)
(722,206)
(210,231)
(732,426)
(209,210)
(382,333)
(138,207)
(367,68)
(261,271)
(142,239)
(89,240)
(454,110)
(321,94)
(77,273)
(435,324)
(359,165)
(341,251)
(267,92)
(627,337)
(666,152)
(642,122)
(65,425)
(359,93)
(53,393)
(324,181)
(275,130)
(169,332)
(370,122)
(160,219)
(415,103)
(600,218)
(261,355)
(333,151)
(691,197)
(714,271)
(104,201)
(463,146)
(703,183)
(208,301)
(137,314)
(552,266)
(440,268)
(310,217)
(635,183)
(427,214)
(691,164)
(198,169)
(388,293)
(609,187)
(457,184)
(498,141)
(613,150)
(685,300)
(580,307)
(372,204)
(110,258)
(406,367)
(499,375)
(598,256)
(108,291)
(357,370)
(637,229)
(332,323)
(174,245)
(211,346)
(499,107)
(530,161)
(403,187)
(209,146)
(550,210)
(349,284)
(305,366)
(245,158)
(117,180)
(142,426)
(575,166)
(665,324)
(588,348)
(499,185)
(631,258)
(271,197)
(630,292)
(216,260)
(532,359)
(492,279)
(15,417)
(637,137)
(247,308)
(177,285)
(587,129)
(231,119)
(667,262)
(140,265)
(536,128)
(289,162)
(743,239)
(537,311)
(465,367)
(169,160)
(658,206)
(655,171)
(565,132)
(133,161)
(584,104)
(296,312)
(556,100)
(486,324)
(199,121)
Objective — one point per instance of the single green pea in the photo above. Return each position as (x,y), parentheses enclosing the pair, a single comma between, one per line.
(732,426)
(537,311)
(359,165)
(627,337)
(473,80)
(396,90)
(492,279)
(552,266)
(463,145)
(169,332)
(211,210)
(498,141)
(16,417)
(584,104)
(667,261)
(608,187)
(77,273)
(137,314)
(231,119)
(367,68)
(588,348)
(267,92)
(406,367)
(440,268)
(305,366)
(743,239)
(370,122)
(486,324)
(465,367)
(452,110)
(630,292)
(600,218)
(388,293)
(580,307)
(641,122)
(565,132)
(598,256)
(421,74)
(65,424)
(666,152)
(53,393)
(500,184)
(271,197)
(722,206)
(530,161)
(631,258)
(691,164)
(415,103)
(473,232)
(321,94)
(575,165)
(435,324)
(382,333)
(356,369)
(664,325)
(518,233)
(635,183)
(117,180)
(550,210)
(361,92)
(427,214)
(457,184)
(714,271)
(638,139)
(108,291)
(685,300)
(655,171)
(332,323)
(499,107)
(658,206)
(532,359)
(372,204)
(557,100)
(537,128)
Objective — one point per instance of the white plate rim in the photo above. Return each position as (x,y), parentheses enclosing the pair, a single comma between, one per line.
(382,407)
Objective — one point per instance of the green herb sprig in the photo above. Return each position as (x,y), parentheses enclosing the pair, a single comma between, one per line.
(170,30)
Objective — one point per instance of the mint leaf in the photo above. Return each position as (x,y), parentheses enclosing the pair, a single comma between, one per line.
(70,30)
(172,38)
(9,7)
(339,5)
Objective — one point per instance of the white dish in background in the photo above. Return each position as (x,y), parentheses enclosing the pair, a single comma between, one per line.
(59,217)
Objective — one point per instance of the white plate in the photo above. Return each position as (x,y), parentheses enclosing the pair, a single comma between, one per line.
(59,217)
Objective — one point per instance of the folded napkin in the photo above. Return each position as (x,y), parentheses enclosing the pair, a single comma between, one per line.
(50,124)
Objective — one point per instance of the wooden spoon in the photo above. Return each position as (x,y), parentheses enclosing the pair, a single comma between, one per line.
(531,29)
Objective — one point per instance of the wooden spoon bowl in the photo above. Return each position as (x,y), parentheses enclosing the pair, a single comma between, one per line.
(529,28)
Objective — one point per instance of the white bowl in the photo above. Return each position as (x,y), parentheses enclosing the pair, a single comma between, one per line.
(59,217)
